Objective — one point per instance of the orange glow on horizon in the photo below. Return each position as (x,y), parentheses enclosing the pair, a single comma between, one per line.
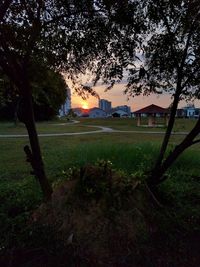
(84,105)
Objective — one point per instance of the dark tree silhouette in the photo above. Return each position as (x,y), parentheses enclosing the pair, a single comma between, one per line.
(48,91)
(71,36)
(168,62)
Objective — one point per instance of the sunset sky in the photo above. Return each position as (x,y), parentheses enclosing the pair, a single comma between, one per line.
(117,98)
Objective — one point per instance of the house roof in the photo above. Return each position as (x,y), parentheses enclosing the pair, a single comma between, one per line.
(96,108)
(119,111)
(88,111)
(151,109)
(80,109)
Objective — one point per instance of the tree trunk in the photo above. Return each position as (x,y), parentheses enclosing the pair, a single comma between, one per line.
(166,138)
(169,127)
(157,177)
(26,115)
(18,74)
(16,111)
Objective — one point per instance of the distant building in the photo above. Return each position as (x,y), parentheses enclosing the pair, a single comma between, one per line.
(125,108)
(119,113)
(91,113)
(197,113)
(152,111)
(67,105)
(105,105)
(188,111)
(97,113)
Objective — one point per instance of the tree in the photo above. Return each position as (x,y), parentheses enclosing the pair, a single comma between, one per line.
(171,64)
(174,64)
(29,30)
(69,36)
(71,114)
(8,98)
(103,37)
(168,62)
(32,30)
(48,94)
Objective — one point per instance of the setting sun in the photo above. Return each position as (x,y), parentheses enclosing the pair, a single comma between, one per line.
(84,105)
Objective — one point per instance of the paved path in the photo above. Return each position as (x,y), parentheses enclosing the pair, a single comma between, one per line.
(102,129)
(66,123)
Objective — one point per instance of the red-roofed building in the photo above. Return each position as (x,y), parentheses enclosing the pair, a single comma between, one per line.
(152,111)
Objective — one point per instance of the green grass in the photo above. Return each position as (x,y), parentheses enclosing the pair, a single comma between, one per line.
(45,127)
(62,152)
(126,150)
(128,124)
(59,152)
(125,124)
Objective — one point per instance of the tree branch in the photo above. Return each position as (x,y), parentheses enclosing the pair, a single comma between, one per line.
(69,14)
(190,77)
(9,65)
(196,141)
(3,8)
(169,32)
(188,41)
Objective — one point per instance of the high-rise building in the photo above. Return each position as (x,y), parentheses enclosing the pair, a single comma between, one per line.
(67,105)
(105,105)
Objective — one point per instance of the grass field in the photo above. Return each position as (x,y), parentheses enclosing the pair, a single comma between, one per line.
(131,124)
(130,152)
(45,127)
(125,124)
(62,152)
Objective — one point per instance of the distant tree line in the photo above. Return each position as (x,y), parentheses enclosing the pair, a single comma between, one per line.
(49,93)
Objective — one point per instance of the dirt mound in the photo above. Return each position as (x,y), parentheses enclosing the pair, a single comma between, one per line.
(103,214)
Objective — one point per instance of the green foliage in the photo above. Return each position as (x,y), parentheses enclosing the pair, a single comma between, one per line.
(18,199)
(8,97)
(65,175)
(100,37)
(94,181)
(71,114)
(49,87)
(170,51)
(183,193)
(48,90)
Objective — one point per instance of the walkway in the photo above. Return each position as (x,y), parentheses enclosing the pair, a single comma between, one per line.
(102,129)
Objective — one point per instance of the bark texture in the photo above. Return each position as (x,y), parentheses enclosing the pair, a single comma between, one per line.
(157,176)
(33,154)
